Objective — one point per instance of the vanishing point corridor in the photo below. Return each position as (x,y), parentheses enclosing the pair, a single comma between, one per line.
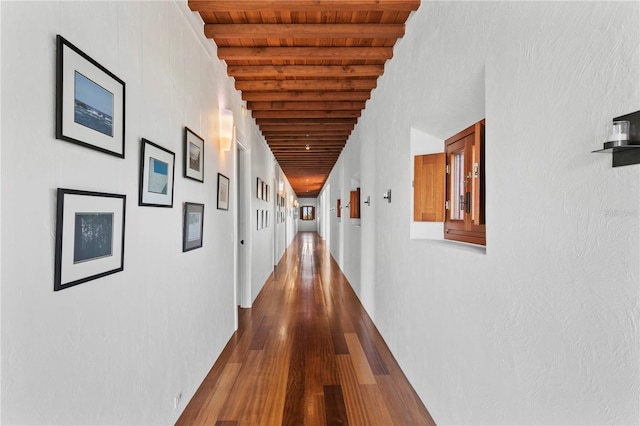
(306,353)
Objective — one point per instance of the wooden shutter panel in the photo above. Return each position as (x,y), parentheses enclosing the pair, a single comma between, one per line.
(429,187)
(354,204)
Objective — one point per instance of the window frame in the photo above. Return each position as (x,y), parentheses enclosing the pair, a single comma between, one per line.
(303,215)
(471,228)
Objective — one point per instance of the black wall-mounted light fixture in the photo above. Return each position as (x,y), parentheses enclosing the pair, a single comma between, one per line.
(623,140)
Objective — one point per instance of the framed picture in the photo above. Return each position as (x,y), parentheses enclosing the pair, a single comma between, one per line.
(223,192)
(89,101)
(267,198)
(264,191)
(157,165)
(258,220)
(192,227)
(89,236)
(259,189)
(193,156)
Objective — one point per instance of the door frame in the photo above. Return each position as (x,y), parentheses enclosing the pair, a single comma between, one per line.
(242,260)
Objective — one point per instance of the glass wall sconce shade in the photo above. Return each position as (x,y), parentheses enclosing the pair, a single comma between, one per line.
(226,129)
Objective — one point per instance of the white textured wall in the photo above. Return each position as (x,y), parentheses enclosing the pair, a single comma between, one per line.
(118,349)
(262,242)
(284,231)
(542,328)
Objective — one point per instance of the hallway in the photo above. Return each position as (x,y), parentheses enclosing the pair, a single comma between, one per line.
(306,353)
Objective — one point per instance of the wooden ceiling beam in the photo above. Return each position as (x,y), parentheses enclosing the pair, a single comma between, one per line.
(302,145)
(304,53)
(310,85)
(305,121)
(312,133)
(284,71)
(288,105)
(298,31)
(298,149)
(290,137)
(307,114)
(301,95)
(239,6)
(302,134)
(305,128)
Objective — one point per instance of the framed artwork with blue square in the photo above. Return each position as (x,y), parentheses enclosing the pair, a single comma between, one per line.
(157,166)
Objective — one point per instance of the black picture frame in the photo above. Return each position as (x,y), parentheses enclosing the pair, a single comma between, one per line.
(192,226)
(193,155)
(157,175)
(90,236)
(223,192)
(90,101)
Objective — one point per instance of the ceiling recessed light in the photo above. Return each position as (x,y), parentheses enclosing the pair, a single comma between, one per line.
(307,147)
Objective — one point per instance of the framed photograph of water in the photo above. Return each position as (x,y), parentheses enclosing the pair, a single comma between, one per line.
(157,165)
(223,192)
(89,236)
(192,226)
(193,155)
(90,101)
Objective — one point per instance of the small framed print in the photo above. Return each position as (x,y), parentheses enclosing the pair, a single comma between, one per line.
(192,226)
(157,165)
(264,191)
(89,236)
(223,192)
(193,155)
(89,101)
(259,189)
(267,198)
(258,220)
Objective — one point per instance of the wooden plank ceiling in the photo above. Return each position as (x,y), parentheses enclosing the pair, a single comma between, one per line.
(306,69)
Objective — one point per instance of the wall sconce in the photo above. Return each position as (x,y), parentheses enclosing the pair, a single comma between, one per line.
(368,200)
(226,129)
(622,140)
(387,196)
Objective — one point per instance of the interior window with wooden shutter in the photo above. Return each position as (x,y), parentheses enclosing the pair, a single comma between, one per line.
(465,188)
(354,204)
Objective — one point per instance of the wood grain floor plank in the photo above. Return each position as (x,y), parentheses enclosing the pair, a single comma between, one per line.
(359,360)
(403,406)
(376,406)
(274,403)
(210,409)
(335,408)
(242,398)
(315,411)
(356,410)
(294,399)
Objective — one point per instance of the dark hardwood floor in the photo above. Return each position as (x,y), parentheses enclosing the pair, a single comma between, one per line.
(306,353)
